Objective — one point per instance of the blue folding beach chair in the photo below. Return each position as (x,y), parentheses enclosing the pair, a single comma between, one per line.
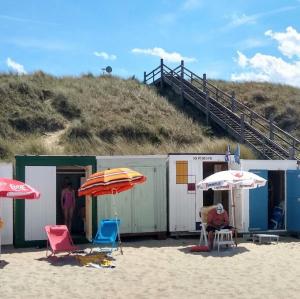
(108,234)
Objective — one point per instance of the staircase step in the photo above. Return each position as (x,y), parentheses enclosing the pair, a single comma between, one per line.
(221,112)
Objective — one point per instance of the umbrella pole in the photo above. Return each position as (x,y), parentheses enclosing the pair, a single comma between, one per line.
(118,230)
(234,218)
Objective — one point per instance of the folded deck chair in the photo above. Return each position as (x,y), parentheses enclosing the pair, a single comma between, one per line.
(59,240)
(108,233)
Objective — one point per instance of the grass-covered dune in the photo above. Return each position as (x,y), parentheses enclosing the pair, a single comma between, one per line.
(105,115)
(282,102)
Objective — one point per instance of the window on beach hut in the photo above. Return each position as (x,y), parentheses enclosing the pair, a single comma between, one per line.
(181,172)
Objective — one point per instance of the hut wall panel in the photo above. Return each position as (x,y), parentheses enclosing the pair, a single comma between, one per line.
(142,209)
(6,207)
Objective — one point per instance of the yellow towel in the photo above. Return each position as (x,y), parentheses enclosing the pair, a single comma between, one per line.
(100,259)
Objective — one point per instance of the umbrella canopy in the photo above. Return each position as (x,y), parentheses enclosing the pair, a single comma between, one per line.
(232,179)
(111,181)
(16,189)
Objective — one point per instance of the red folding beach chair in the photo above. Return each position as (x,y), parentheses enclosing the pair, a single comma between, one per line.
(59,239)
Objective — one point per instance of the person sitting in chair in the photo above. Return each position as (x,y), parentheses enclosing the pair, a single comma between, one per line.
(216,219)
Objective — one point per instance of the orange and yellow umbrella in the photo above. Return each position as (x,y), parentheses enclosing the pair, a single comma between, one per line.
(111,181)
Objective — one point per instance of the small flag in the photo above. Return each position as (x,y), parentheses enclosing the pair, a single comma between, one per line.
(237,154)
(227,154)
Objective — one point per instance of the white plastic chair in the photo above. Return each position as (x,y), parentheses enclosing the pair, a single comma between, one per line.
(203,218)
(223,237)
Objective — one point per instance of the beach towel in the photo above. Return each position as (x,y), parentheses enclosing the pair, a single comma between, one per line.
(199,248)
(101,260)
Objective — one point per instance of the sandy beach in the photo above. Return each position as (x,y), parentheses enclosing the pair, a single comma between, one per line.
(157,269)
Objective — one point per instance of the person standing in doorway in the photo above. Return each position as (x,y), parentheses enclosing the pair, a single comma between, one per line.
(68,204)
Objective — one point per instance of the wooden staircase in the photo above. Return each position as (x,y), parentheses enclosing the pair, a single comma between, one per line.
(239,121)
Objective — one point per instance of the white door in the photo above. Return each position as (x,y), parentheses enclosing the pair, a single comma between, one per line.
(41,212)
(6,207)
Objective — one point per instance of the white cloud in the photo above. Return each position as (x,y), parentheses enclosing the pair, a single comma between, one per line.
(16,67)
(105,55)
(191,4)
(250,76)
(24,20)
(289,41)
(168,56)
(262,67)
(242,59)
(243,19)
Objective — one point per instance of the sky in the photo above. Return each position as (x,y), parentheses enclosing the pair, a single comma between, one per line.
(236,40)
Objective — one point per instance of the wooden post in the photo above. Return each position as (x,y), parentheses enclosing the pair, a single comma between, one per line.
(271,127)
(204,82)
(251,117)
(207,107)
(242,137)
(161,73)
(292,153)
(145,77)
(233,106)
(217,94)
(181,82)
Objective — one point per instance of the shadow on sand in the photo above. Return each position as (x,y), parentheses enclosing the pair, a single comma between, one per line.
(3,264)
(224,252)
(60,261)
(75,258)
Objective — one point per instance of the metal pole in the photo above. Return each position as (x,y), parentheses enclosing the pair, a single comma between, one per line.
(118,230)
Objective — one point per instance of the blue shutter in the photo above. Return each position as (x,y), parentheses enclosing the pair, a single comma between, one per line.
(293,200)
(258,205)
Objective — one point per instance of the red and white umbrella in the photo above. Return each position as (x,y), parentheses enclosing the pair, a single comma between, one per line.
(232,179)
(16,190)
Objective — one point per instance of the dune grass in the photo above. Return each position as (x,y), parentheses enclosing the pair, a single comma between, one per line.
(107,115)
(282,102)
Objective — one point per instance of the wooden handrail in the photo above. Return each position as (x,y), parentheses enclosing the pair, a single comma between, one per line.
(268,129)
